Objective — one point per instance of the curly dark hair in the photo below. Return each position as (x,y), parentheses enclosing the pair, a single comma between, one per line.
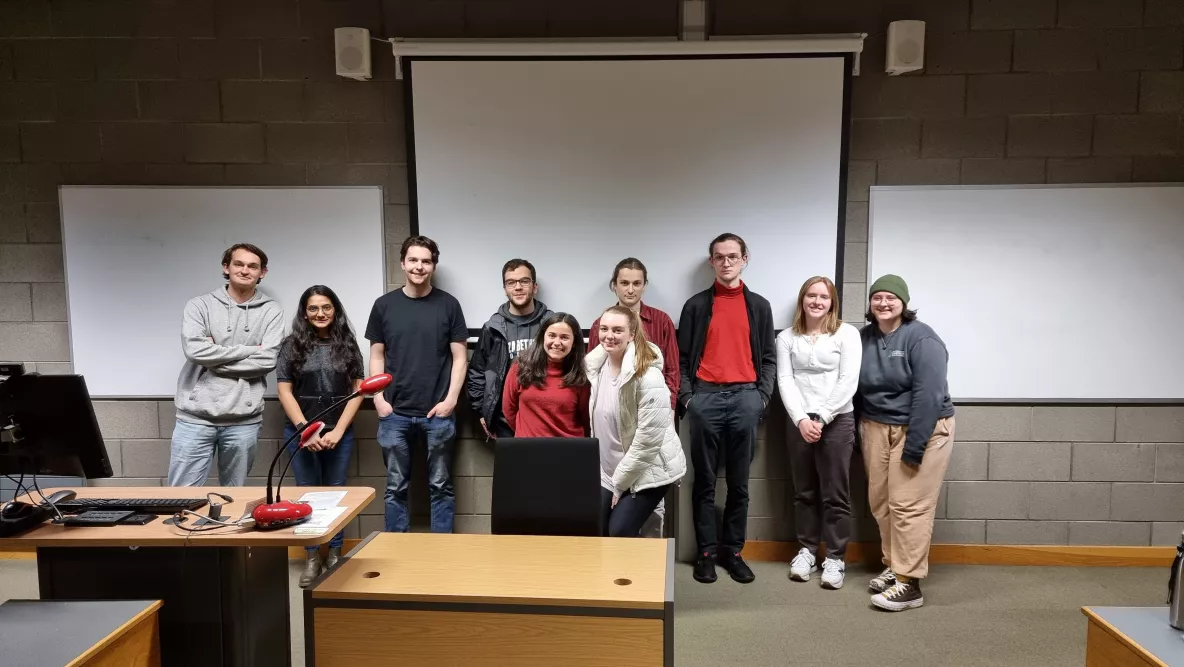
(343,350)
(532,364)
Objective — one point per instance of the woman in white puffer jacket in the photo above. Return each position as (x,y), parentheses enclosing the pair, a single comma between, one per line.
(640,453)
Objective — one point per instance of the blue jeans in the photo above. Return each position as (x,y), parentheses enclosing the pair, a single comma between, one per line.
(327,467)
(193,449)
(395,435)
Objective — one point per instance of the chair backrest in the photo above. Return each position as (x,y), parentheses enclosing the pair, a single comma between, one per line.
(546,486)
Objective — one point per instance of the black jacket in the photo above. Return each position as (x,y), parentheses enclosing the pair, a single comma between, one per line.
(492,357)
(692,336)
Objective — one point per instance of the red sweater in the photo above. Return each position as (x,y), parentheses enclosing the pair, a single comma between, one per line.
(659,329)
(554,411)
(727,353)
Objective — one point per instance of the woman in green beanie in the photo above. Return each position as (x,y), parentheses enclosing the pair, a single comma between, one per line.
(907,429)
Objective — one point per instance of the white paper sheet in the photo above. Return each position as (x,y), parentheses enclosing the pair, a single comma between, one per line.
(323,500)
(320,521)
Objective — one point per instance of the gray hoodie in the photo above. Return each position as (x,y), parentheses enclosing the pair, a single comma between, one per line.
(229,350)
(902,380)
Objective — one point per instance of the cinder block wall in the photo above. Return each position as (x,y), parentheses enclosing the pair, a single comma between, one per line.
(201,92)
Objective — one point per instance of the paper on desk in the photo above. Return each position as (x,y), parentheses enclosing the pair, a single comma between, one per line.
(323,500)
(319,521)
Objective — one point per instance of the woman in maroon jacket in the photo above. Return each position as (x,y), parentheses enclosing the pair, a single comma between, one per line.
(547,390)
(629,281)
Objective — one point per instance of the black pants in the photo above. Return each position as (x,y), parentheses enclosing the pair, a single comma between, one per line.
(723,427)
(631,512)
(822,486)
(500,429)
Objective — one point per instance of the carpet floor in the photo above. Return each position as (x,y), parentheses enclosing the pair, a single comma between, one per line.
(973,615)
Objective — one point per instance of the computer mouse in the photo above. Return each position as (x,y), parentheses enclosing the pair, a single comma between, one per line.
(14,509)
(59,496)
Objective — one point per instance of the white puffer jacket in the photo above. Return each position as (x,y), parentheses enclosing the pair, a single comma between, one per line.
(653,452)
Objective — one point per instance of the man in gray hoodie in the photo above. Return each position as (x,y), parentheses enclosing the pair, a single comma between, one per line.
(511,330)
(230,338)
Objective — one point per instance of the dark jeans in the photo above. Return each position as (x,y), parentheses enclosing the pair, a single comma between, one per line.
(501,429)
(396,434)
(327,467)
(631,512)
(723,427)
(822,486)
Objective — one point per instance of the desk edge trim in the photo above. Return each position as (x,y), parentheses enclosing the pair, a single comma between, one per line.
(142,616)
(486,608)
(1096,618)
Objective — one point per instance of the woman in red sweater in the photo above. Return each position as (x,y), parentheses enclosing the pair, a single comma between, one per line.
(547,390)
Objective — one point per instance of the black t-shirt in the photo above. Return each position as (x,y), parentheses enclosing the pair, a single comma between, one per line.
(318,384)
(417,334)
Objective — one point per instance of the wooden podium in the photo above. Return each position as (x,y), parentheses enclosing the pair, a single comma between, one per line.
(483,600)
(225,592)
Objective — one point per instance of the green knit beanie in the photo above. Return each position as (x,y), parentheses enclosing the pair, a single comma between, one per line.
(893,285)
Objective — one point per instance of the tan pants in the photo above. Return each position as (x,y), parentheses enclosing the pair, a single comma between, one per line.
(903,498)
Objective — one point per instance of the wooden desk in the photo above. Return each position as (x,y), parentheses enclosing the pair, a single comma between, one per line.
(483,600)
(1134,636)
(40,633)
(225,592)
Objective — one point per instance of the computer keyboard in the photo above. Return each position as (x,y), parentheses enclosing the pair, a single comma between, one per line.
(95,518)
(141,505)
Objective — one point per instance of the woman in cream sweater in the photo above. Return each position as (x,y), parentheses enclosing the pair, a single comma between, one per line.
(818,372)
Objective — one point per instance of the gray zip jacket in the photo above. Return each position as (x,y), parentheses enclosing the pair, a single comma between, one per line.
(229,350)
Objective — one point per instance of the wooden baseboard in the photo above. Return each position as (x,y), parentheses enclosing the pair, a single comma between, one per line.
(944,554)
(991,554)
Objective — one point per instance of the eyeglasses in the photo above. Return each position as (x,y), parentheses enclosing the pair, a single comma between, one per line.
(313,310)
(525,282)
(727,259)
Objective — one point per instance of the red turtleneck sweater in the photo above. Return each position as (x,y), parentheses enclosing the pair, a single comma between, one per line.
(727,353)
(554,411)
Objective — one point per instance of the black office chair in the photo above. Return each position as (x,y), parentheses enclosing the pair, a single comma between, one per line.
(546,486)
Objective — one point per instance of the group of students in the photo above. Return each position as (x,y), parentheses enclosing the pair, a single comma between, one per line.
(531,375)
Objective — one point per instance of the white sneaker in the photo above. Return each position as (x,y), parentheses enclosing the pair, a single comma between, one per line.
(802,566)
(833,571)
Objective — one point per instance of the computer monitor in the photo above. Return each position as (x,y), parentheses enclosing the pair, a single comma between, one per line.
(48,427)
(10,369)
(546,486)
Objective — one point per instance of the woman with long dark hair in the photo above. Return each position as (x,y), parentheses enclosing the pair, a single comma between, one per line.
(546,392)
(319,363)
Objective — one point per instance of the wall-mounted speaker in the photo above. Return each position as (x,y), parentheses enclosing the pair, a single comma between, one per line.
(906,47)
(352,49)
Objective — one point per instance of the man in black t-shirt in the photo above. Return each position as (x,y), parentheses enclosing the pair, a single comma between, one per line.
(418,335)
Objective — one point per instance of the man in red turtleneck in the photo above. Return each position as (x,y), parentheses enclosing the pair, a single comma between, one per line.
(728,360)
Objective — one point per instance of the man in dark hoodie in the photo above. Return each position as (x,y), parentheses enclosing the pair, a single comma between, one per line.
(510,331)
(231,338)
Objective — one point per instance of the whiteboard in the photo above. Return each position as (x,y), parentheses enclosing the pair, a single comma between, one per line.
(577,164)
(1043,293)
(136,255)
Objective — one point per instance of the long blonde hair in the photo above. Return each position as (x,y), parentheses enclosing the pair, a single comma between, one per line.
(830,321)
(643,353)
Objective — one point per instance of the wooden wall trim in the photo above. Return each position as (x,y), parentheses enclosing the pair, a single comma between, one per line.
(942,554)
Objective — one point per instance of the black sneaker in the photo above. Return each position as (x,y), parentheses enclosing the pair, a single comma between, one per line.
(883,581)
(705,569)
(900,596)
(736,567)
